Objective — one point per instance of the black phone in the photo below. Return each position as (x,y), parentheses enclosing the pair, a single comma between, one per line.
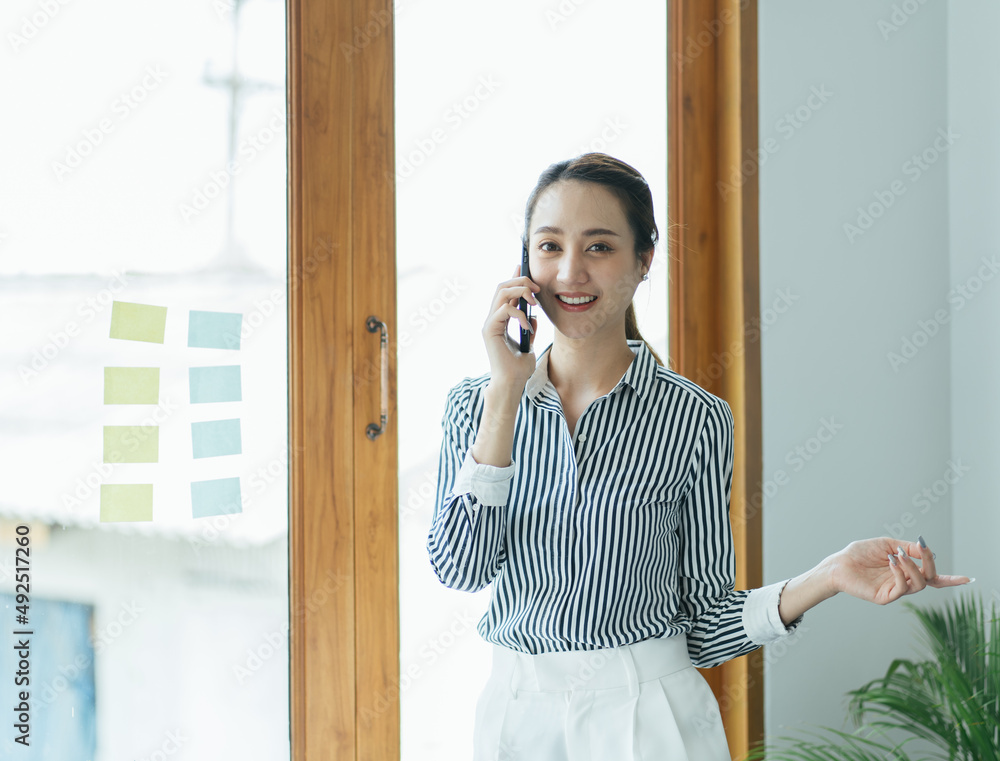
(522,303)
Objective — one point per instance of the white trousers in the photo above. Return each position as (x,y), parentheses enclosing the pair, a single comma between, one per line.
(640,702)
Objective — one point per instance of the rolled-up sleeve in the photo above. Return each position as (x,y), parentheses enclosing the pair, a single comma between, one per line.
(466,538)
(726,623)
(761,618)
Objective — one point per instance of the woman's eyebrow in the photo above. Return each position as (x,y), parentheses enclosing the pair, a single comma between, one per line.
(586,233)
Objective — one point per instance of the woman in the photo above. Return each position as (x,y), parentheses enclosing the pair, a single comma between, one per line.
(591,486)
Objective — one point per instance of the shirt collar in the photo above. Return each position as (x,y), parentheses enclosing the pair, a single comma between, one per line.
(640,375)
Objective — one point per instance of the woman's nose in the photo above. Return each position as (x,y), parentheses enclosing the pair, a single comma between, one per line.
(571,265)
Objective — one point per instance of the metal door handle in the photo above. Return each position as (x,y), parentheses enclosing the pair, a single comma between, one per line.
(374,431)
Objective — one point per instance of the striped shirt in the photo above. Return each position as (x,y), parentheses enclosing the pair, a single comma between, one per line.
(610,536)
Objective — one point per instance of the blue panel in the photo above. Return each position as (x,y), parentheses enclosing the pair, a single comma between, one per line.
(62,718)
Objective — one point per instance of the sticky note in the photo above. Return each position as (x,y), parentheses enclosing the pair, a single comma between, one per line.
(214,330)
(214,438)
(138,322)
(126,502)
(131,385)
(219,383)
(131,443)
(220,496)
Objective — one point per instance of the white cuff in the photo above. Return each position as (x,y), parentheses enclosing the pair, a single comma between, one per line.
(489,484)
(760,615)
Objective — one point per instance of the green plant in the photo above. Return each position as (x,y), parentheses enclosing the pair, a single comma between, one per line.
(951,700)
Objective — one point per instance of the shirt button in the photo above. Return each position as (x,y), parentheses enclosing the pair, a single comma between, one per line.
(582,437)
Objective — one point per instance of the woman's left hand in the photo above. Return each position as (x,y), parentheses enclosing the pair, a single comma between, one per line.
(863,569)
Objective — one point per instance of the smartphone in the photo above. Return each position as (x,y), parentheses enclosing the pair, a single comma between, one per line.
(522,304)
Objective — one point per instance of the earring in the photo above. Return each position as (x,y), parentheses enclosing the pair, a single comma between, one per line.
(645,276)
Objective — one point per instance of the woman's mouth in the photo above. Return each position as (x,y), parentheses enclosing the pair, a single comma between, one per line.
(580,304)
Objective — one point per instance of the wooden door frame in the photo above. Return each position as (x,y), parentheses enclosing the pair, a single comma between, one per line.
(343,485)
(715,277)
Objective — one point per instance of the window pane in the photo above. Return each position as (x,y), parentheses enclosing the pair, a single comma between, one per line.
(144,406)
(487,96)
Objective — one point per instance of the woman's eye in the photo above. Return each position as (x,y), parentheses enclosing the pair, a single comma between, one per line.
(601,247)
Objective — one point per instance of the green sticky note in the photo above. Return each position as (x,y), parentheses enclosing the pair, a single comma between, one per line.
(220,496)
(131,385)
(131,443)
(126,502)
(138,322)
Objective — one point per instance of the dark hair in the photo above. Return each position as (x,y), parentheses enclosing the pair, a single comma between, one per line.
(631,189)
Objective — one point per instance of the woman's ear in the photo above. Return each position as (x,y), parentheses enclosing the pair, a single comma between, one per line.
(647,260)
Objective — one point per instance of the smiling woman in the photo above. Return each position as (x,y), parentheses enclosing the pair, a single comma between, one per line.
(467,139)
(592,494)
(595,543)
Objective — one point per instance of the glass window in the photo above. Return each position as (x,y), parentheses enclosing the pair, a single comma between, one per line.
(143,326)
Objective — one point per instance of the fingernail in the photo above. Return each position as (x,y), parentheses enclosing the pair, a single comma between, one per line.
(531,329)
(892,559)
(901,553)
(971,580)
(921,542)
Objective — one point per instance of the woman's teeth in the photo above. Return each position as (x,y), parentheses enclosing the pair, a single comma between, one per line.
(579,300)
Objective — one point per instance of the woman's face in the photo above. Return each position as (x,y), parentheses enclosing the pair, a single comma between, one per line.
(580,244)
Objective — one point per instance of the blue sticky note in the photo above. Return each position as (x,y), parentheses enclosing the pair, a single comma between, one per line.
(219,496)
(219,383)
(215,438)
(214,330)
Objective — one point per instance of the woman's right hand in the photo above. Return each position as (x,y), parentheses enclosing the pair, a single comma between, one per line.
(510,368)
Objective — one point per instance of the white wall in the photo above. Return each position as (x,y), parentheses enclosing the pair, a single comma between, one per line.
(894,74)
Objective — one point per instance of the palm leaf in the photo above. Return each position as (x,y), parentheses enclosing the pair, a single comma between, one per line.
(951,699)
